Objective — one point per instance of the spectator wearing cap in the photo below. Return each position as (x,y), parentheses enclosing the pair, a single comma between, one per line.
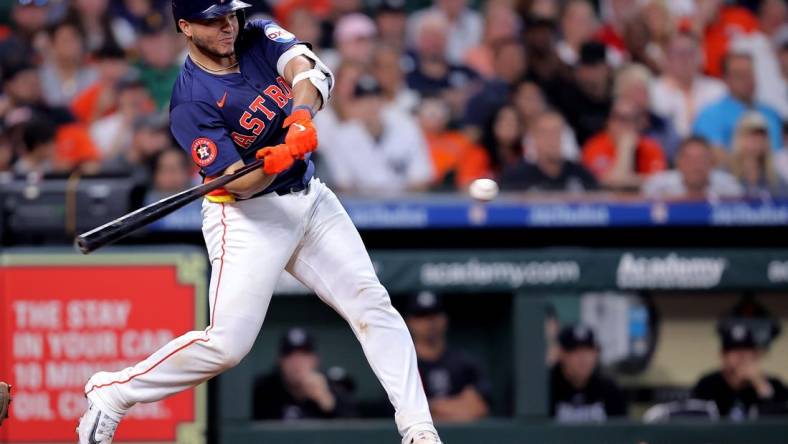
(550,171)
(632,83)
(682,91)
(464,27)
(621,157)
(545,68)
(387,69)
(296,388)
(695,176)
(132,17)
(579,25)
(29,20)
(751,161)
(159,64)
(456,159)
(380,150)
(740,388)
(455,387)
(429,72)
(720,24)
(354,37)
(95,20)
(585,102)
(64,74)
(391,18)
(717,122)
(579,392)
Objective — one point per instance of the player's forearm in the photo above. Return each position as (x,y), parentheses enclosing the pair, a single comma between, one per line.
(304,93)
(248,185)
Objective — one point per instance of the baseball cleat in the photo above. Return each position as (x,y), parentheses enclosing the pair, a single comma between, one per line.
(425,437)
(96,427)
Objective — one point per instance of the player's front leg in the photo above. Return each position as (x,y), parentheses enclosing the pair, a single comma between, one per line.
(335,264)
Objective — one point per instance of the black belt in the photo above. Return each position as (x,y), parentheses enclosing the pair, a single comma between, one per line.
(293,189)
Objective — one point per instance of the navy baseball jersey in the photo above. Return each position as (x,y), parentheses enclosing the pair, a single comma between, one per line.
(220,119)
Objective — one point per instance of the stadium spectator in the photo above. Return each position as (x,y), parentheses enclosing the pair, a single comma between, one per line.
(159,65)
(661,25)
(29,20)
(391,18)
(640,47)
(296,388)
(455,387)
(96,23)
(579,25)
(632,84)
(717,122)
(509,68)
(620,157)
(65,74)
(585,103)
(530,104)
(457,161)
(99,99)
(682,91)
(171,171)
(740,388)
(579,392)
(354,36)
(694,177)
(304,24)
(616,14)
(151,135)
(781,157)
(381,150)
(113,134)
(720,24)
(429,72)
(132,17)
(500,25)
(773,19)
(464,27)
(544,66)
(503,138)
(38,155)
(550,171)
(751,160)
(387,69)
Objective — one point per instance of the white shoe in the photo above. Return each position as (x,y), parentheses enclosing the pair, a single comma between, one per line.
(96,427)
(425,437)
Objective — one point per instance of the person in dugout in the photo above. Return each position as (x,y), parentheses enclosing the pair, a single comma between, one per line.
(579,392)
(740,387)
(296,388)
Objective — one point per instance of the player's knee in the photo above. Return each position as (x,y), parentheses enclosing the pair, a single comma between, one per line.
(229,351)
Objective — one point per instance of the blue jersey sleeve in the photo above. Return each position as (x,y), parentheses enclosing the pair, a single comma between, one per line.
(200,131)
(270,38)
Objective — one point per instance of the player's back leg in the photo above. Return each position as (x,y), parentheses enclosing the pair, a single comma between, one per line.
(335,264)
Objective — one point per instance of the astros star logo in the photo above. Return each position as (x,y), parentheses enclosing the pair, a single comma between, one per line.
(204,151)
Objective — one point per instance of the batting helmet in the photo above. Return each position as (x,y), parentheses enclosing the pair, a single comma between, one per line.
(204,9)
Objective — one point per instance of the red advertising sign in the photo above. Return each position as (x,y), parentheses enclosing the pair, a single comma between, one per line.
(59,324)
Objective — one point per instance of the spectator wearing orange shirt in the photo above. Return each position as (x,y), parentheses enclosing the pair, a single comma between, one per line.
(620,157)
(720,24)
(100,99)
(456,160)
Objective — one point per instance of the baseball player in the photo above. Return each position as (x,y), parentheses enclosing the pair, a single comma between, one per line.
(246,91)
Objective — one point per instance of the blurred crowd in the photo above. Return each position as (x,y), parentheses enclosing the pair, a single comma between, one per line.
(668,98)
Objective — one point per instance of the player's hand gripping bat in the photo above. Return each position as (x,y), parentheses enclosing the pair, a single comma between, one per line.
(125,225)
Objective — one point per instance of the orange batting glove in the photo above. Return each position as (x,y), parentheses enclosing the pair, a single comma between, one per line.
(302,135)
(275,158)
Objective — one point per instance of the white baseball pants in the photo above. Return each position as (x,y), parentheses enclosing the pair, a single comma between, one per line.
(250,242)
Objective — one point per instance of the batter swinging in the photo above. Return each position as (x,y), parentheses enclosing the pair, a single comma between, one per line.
(240,96)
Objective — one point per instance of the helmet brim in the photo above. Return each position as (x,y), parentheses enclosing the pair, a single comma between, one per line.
(220,10)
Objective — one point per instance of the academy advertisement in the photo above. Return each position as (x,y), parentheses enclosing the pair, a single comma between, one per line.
(62,323)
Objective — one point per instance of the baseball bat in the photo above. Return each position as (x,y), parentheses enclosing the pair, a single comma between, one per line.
(123,226)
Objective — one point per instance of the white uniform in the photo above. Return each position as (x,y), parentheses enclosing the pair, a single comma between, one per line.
(309,234)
